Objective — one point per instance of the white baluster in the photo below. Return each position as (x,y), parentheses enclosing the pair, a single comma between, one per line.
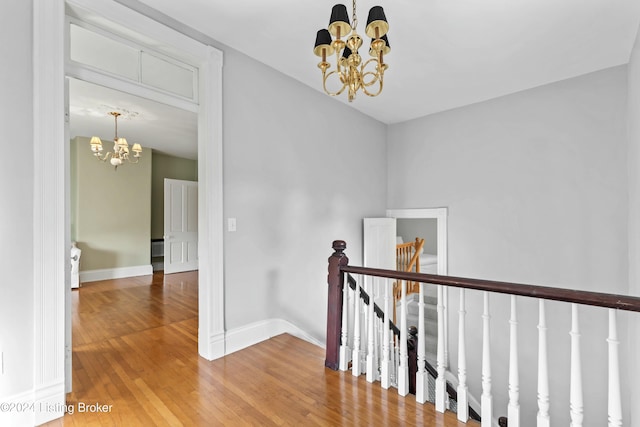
(403,369)
(395,357)
(445,304)
(543,368)
(486,398)
(385,361)
(575,394)
(513,410)
(422,377)
(440,381)
(463,401)
(372,363)
(364,330)
(345,351)
(356,367)
(385,368)
(615,404)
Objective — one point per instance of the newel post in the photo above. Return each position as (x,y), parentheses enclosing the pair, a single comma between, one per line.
(335,280)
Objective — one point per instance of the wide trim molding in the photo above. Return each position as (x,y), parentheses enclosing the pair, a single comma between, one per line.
(49,255)
(115,273)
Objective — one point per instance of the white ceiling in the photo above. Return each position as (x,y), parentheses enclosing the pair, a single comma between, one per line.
(151,124)
(445,54)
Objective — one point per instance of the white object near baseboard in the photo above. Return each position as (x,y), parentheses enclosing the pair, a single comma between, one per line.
(115,273)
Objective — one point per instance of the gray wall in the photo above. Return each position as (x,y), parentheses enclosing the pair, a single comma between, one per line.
(16,187)
(634,222)
(301,170)
(535,183)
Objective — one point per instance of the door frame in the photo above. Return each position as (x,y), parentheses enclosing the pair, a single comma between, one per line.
(440,215)
(51,212)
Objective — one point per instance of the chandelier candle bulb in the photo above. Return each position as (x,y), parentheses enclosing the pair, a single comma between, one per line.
(350,71)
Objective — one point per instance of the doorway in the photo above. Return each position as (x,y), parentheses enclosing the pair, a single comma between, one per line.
(51,217)
(429,221)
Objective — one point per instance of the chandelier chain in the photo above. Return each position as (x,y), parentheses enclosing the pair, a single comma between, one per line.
(354,17)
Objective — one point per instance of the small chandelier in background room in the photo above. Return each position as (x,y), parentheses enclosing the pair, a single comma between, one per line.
(120,151)
(350,70)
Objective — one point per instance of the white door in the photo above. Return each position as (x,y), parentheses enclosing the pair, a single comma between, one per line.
(379,236)
(180,226)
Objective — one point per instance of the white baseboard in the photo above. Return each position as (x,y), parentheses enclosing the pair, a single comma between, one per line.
(248,335)
(50,402)
(212,348)
(115,273)
(18,412)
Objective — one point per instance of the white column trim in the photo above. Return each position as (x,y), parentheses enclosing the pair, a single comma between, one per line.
(49,261)
(211,333)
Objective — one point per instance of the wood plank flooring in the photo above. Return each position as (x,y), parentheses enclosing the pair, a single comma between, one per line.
(135,357)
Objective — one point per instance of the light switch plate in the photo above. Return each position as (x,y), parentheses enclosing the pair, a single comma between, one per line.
(231,223)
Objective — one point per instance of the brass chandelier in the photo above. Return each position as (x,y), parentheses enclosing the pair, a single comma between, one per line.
(350,70)
(120,151)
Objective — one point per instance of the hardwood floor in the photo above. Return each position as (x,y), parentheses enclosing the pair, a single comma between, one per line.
(135,358)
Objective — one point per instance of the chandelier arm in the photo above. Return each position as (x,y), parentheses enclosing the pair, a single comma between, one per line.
(374,78)
(380,85)
(326,76)
(105,158)
(377,77)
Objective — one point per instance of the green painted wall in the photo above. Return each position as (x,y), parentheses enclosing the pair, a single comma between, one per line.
(111,209)
(165,166)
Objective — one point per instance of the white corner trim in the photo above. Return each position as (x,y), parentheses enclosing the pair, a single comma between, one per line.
(253,333)
(115,273)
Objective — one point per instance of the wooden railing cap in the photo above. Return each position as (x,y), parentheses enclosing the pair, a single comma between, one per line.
(339,245)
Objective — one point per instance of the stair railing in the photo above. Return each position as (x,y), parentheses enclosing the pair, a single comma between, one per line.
(407,256)
(339,267)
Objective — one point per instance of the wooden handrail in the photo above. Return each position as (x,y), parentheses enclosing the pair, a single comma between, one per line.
(598,299)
